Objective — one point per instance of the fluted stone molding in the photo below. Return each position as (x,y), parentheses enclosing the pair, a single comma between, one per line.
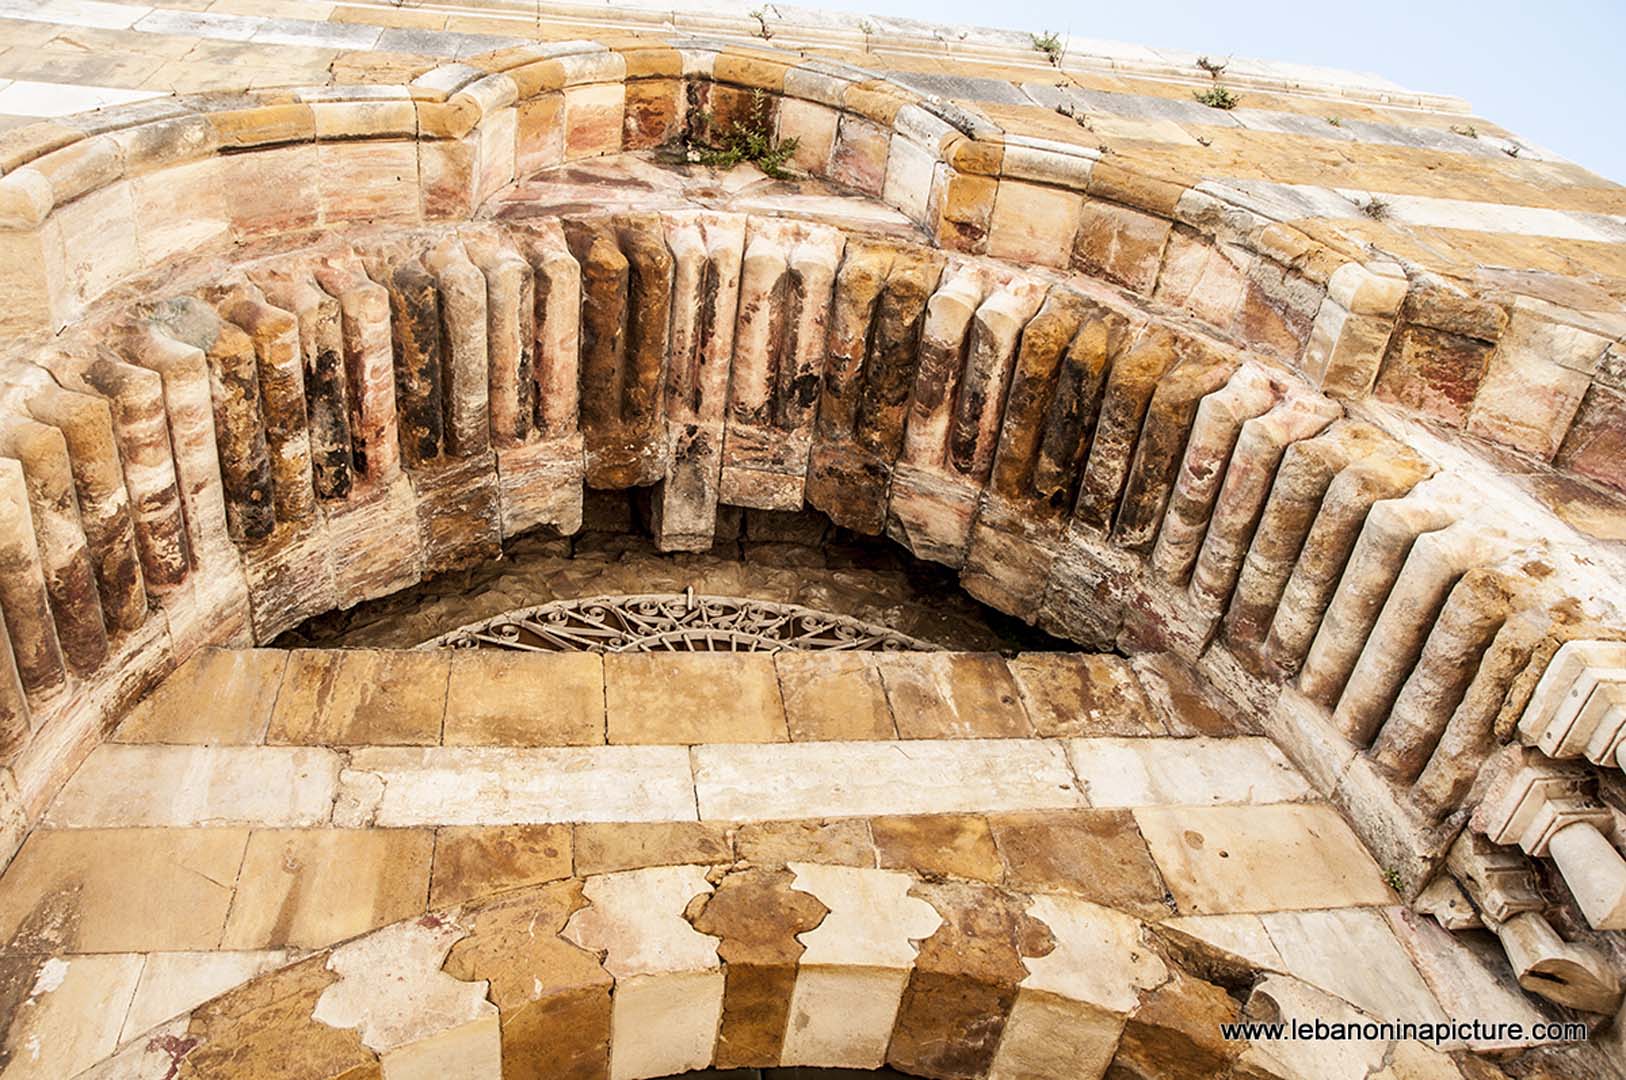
(303,424)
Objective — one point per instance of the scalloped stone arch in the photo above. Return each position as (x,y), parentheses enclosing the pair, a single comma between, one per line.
(352,380)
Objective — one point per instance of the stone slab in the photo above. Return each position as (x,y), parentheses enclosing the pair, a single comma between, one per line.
(1260,858)
(402,786)
(1184,772)
(813,780)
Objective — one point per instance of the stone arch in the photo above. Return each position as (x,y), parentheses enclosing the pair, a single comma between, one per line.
(660,970)
(212,449)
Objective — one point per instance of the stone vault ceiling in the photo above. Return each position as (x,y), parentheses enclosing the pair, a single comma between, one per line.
(1312,406)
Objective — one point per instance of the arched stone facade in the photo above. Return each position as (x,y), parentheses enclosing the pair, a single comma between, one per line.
(281,352)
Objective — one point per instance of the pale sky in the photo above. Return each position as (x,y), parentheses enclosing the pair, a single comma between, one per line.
(1551,71)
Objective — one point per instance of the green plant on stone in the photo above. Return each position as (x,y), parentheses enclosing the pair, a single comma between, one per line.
(1214,67)
(1334,121)
(1049,44)
(1217,97)
(751,142)
(1391,877)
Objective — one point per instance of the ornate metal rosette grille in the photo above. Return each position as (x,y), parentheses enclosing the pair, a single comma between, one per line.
(674,622)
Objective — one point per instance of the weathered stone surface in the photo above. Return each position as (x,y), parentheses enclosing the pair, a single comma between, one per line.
(27,603)
(935,695)
(1159,451)
(155,889)
(198,785)
(685,698)
(553,996)
(958,845)
(1260,858)
(1188,772)
(86,425)
(1328,545)
(668,979)
(1082,694)
(1473,614)
(1307,469)
(524,699)
(471,863)
(1243,493)
(1214,433)
(1129,389)
(778,843)
(64,551)
(361,698)
(833,696)
(1175,1033)
(960,994)
(608,848)
(1033,393)
(266,1028)
(857,962)
(308,888)
(1071,417)
(1095,854)
(1434,372)
(757,915)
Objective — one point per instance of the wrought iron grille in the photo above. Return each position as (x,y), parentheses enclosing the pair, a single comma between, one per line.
(674,622)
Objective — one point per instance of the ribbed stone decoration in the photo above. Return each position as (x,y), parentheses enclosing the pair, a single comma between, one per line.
(675,622)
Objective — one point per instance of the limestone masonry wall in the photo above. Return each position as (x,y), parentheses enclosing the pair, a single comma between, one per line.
(269,360)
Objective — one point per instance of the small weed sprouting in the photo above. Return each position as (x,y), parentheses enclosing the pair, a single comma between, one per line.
(1049,44)
(761,16)
(750,142)
(1217,97)
(1203,140)
(1391,876)
(1375,208)
(1214,68)
(1512,149)
(1467,131)
(1334,121)
(1077,116)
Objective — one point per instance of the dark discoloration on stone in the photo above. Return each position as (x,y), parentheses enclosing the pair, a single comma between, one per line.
(889,368)
(1175,1034)
(322,346)
(1129,388)
(964,982)
(86,424)
(274,333)
(1069,421)
(605,273)
(1434,371)
(245,465)
(1202,369)
(415,333)
(1096,854)
(757,915)
(459,513)
(649,318)
(1307,469)
(1034,389)
(64,555)
(858,289)
(553,997)
(141,426)
(845,481)
(265,1029)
